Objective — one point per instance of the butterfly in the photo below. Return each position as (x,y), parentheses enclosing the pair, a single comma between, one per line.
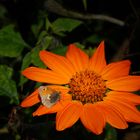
(48,96)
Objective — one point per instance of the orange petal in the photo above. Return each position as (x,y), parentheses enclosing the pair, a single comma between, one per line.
(128,83)
(97,61)
(92,118)
(44,110)
(57,63)
(64,100)
(112,115)
(31,99)
(116,70)
(77,57)
(124,97)
(62,89)
(66,117)
(40,111)
(130,113)
(44,75)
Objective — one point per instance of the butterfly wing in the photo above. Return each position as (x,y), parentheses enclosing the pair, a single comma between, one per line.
(48,97)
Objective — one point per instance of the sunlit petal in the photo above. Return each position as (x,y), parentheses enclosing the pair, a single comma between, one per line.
(62,89)
(77,57)
(97,62)
(44,110)
(112,115)
(116,70)
(92,118)
(68,115)
(44,75)
(124,97)
(57,63)
(130,113)
(128,83)
(31,99)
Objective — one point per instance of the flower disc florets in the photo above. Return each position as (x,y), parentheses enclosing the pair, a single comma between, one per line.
(87,87)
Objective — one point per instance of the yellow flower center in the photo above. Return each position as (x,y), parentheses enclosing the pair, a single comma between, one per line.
(87,87)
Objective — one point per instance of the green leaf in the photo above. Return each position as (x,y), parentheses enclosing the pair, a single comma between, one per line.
(25,63)
(94,39)
(62,25)
(37,27)
(31,58)
(60,50)
(35,57)
(44,41)
(42,35)
(85,4)
(47,24)
(11,42)
(79,45)
(7,85)
(111,133)
(47,40)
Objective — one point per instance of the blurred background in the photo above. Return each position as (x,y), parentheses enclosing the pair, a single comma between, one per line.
(28,26)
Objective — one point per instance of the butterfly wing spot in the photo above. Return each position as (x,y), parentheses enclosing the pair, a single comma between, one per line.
(55,97)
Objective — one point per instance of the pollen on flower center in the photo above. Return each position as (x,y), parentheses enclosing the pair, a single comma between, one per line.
(87,87)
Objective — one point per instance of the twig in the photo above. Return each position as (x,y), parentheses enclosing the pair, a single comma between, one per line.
(122,51)
(54,7)
(133,9)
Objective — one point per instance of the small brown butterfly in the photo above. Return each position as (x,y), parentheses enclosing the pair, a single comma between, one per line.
(48,96)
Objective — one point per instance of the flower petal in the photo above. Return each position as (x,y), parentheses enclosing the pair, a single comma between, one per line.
(124,96)
(97,62)
(62,89)
(128,83)
(31,99)
(44,110)
(112,115)
(116,70)
(64,100)
(66,117)
(57,63)
(44,75)
(92,118)
(77,57)
(130,113)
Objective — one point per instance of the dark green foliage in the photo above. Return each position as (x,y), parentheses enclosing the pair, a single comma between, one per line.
(7,85)
(11,42)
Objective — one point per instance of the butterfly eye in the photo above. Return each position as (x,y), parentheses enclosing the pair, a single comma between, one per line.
(42,89)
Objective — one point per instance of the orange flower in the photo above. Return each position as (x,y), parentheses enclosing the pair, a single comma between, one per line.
(96,93)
